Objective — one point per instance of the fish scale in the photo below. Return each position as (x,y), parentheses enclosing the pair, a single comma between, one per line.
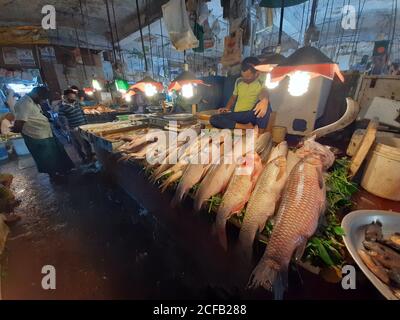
(297,219)
(237,194)
(262,201)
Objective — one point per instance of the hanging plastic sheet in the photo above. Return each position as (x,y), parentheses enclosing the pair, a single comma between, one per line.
(232,48)
(177,22)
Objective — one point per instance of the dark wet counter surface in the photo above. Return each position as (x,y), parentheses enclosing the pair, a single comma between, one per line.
(106,245)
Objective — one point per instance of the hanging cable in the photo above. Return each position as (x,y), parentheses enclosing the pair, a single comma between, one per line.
(394,28)
(312,22)
(329,24)
(281,25)
(150,42)
(111,31)
(357,33)
(323,24)
(79,47)
(116,32)
(162,48)
(141,35)
(85,33)
(301,28)
(339,39)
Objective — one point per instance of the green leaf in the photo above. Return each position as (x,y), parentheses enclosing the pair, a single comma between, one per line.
(339,231)
(323,254)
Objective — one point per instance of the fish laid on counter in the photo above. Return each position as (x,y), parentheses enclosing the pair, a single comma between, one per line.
(141,152)
(215,181)
(263,146)
(168,162)
(303,201)
(219,175)
(262,202)
(203,148)
(192,175)
(139,140)
(178,164)
(237,194)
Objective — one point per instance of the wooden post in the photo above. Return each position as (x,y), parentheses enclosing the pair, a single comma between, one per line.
(364,147)
(194,109)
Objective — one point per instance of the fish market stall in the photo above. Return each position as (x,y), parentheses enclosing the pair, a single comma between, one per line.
(234,213)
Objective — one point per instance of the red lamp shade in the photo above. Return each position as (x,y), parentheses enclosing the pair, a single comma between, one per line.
(269,61)
(146,80)
(88,91)
(307,59)
(186,77)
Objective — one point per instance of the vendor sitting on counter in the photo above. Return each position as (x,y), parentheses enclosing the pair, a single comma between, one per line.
(250,99)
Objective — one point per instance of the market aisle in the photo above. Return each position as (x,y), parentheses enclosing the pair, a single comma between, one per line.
(102,244)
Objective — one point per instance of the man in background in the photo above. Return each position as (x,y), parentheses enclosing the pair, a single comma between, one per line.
(71,116)
(49,155)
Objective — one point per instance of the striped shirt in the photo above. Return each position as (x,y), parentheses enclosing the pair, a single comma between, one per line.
(73,113)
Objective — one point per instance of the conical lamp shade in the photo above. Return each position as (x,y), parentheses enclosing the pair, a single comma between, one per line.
(270,61)
(183,78)
(307,59)
(147,80)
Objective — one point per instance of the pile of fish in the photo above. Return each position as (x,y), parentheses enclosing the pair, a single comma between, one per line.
(382,256)
(268,184)
(99,109)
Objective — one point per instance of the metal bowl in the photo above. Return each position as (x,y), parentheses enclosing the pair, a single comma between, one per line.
(354,225)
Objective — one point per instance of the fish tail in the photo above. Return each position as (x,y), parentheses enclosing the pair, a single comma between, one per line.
(271,276)
(220,231)
(123,158)
(178,197)
(198,203)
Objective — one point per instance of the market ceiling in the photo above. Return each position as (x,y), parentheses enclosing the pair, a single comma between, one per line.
(69,17)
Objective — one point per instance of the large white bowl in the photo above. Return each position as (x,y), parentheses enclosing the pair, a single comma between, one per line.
(354,225)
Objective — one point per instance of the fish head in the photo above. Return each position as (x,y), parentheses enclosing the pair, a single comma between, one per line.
(279,151)
(314,150)
(249,165)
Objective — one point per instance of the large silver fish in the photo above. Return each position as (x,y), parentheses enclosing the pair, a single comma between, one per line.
(238,193)
(262,202)
(303,202)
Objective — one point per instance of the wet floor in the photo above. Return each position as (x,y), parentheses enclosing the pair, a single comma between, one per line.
(101,242)
(104,245)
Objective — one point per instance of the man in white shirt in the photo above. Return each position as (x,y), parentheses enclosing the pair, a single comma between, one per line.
(50,157)
(11,101)
(6,123)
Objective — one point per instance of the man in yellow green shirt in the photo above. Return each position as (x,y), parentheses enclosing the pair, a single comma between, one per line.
(249,101)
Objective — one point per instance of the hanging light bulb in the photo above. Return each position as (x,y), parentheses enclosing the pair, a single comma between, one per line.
(150,90)
(269,83)
(187,90)
(299,83)
(128,98)
(89,93)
